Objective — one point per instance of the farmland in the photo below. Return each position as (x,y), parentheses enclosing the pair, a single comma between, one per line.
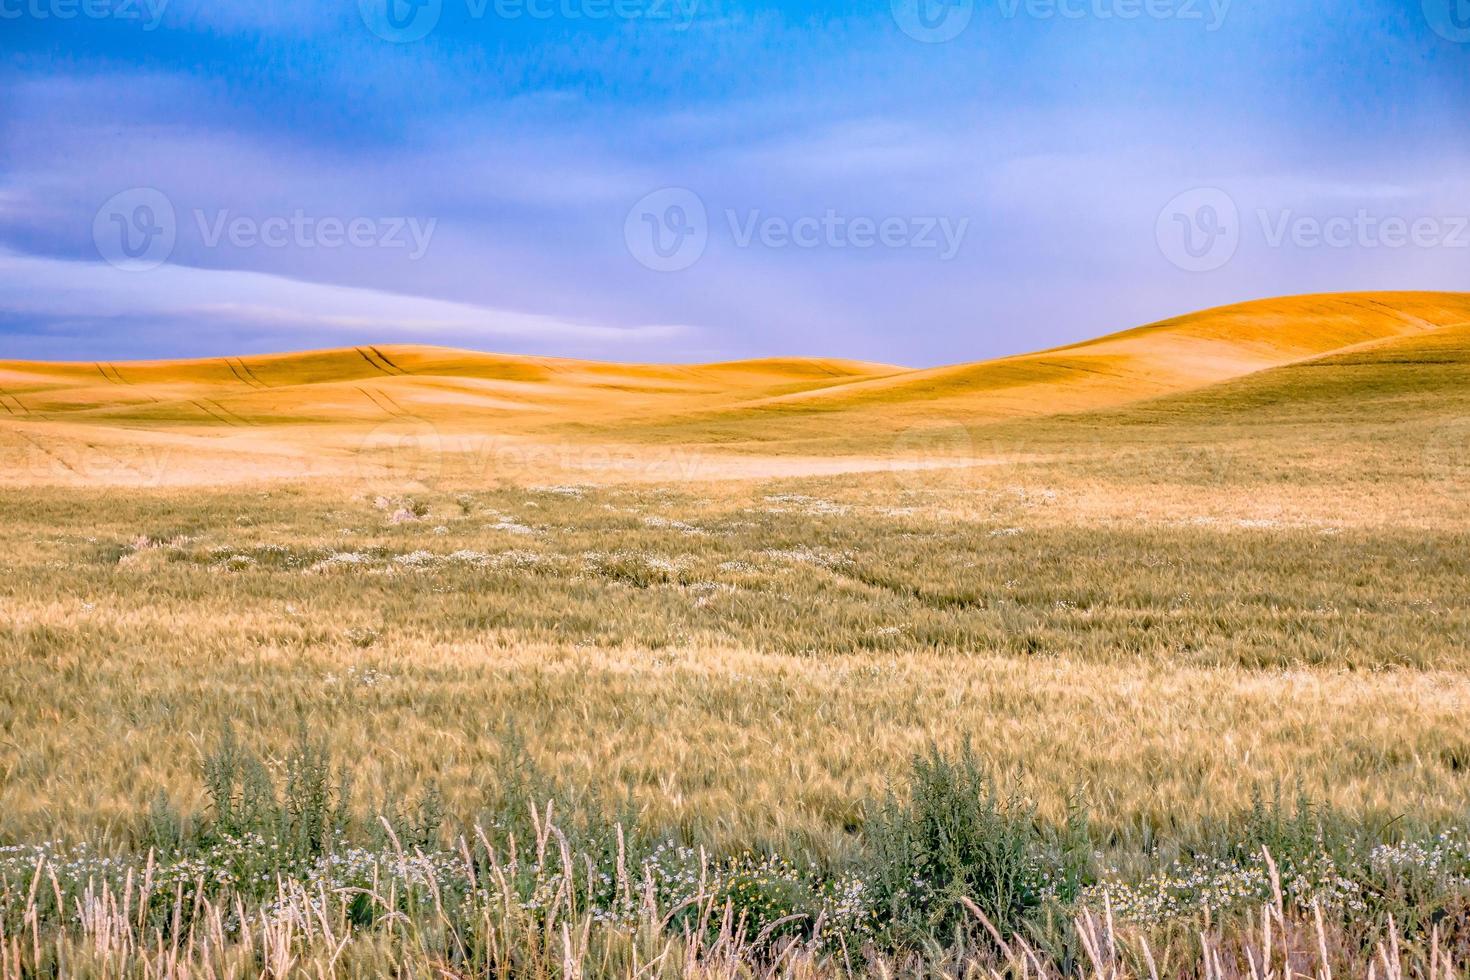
(730,610)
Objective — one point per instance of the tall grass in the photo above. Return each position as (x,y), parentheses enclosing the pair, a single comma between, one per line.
(751,662)
(719,728)
(281,876)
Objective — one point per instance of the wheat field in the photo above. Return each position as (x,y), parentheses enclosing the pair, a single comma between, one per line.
(1158,579)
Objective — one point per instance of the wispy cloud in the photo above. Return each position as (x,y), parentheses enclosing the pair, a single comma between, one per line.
(72,290)
(527,141)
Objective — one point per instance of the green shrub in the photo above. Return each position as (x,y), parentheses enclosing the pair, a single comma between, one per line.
(956,837)
(304,815)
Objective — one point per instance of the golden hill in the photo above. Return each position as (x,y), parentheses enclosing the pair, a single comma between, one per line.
(278,413)
(367,384)
(1175,355)
(1421,379)
(1172,357)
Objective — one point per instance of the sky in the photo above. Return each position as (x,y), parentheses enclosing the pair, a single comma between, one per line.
(913,182)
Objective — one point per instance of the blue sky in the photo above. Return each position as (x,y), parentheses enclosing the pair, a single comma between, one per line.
(914,181)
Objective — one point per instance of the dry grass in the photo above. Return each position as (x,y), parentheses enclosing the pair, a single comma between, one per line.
(1160,607)
(467,913)
(748,660)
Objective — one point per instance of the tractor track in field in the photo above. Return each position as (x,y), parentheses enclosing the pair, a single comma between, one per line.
(379,362)
(218,412)
(385,404)
(243,374)
(384,358)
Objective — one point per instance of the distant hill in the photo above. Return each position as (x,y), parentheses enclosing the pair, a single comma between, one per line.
(1328,354)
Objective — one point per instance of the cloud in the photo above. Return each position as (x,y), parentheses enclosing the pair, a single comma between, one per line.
(58,289)
(526,142)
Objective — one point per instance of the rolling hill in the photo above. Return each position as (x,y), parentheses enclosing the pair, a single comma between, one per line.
(239,412)
(1180,354)
(365,384)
